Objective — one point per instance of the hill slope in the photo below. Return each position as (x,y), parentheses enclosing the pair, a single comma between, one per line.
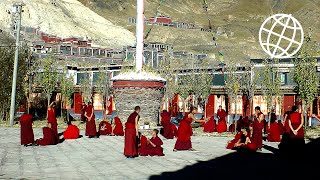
(68,18)
(238,21)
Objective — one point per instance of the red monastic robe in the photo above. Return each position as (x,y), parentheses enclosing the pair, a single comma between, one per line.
(169,129)
(105,128)
(273,133)
(250,146)
(118,129)
(210,126)
(72,132)
(231,143)
(282,130)
(83,110)
(130,137)
(295,119)
(152,151)
(91,129)
(184,134)
(49,137)
(257,132)
(26,131)
(222,123)
(54,124)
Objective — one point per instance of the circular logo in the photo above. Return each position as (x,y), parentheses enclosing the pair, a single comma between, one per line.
(281,36)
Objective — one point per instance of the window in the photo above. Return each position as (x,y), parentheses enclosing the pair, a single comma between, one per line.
(283,78)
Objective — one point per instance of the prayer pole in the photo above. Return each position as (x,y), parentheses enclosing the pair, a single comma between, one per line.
(139,34)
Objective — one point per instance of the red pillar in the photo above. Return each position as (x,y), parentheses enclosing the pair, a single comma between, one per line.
(77,103)
(210,106)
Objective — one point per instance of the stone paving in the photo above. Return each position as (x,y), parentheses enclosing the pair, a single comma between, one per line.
(101,158)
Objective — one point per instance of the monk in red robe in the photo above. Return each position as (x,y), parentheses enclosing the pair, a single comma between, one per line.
(72,132)
(286,121)
(231,144)
(210,126)
(257,128)
(52,119)
(169,129)
(222,123)
(246,141)
(143,140)
(26,131)
(91,130)
(153,147)
(49,137)
(83,111)
(185,131)
(273,129)
(296,125)
(118,128)
(105,128)
(131,134)
(281,127)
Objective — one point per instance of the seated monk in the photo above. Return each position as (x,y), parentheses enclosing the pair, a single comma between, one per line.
(282,130)
(210,126)
(231,144)
(273,129)
(118,127)
(105,128)
(245,142)
(169,129)
(142,143)
(49,137)
(153,147)
(72,131)
(26,131)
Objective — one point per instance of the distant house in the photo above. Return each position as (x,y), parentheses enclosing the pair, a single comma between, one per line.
(161,19)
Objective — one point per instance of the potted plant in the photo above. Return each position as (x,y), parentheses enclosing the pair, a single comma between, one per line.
(146,125)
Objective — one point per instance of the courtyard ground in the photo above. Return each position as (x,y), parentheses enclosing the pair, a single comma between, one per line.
(101,158)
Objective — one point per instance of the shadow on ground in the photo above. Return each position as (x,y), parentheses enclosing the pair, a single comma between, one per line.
(286,163)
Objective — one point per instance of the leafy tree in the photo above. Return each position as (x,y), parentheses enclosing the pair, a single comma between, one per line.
(270,83)
(232,84)
(249,80)
(47,76)
(66,87)
(86,88)
(7,52)
(305,74)
(103,88)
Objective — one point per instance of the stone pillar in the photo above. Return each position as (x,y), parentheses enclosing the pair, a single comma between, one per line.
(147,94)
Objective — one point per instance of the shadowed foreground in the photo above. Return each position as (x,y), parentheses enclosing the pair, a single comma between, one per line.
(251,165)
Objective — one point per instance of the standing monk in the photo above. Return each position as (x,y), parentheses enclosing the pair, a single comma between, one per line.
(273,129)
(27,136)
(296,126)
(131,134)
(257,128)
(83,111)
(53,120)
(185,131)
(169,129)
(90,123)
(118,128)
(222,123)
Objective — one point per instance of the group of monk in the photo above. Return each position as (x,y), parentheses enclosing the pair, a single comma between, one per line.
(50,132)
(250,135)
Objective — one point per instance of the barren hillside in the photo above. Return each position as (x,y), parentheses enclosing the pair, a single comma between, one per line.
(238,21)
(68,18)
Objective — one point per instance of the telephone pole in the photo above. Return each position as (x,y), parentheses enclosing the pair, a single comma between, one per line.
(17,9)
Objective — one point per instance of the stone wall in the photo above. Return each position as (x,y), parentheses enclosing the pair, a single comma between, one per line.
(148,99)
